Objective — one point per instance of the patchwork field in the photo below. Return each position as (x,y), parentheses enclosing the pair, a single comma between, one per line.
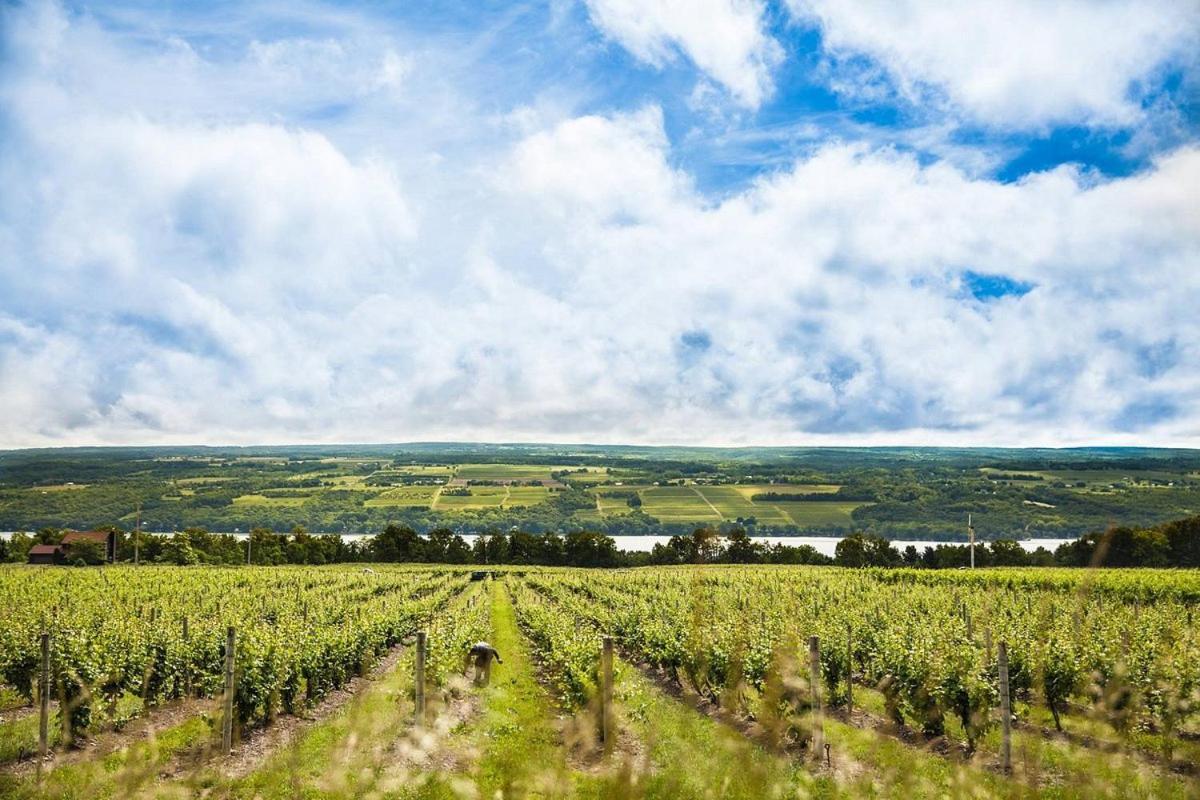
(404,497)
(261,500)
(698,503)
(493,497)
(505,472)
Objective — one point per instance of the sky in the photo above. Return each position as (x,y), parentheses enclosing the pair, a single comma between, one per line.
(725,222)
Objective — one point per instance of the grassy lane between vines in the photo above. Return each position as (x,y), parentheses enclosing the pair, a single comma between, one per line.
(514,745)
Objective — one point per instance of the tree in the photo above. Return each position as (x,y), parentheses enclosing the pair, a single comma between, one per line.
(178,550)
(590,549)
(266,547)
(851,551)
(741,548)
(1008,553)
(397,544)
(859,550)
(85,551)
(1183,538)
(18,547)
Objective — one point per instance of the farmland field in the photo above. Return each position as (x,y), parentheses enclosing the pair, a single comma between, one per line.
(418,496)
(1104,670)
(504,472)
(906,493)
(493,497)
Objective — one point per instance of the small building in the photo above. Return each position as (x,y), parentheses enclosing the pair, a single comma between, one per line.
(106,539)
(47,554)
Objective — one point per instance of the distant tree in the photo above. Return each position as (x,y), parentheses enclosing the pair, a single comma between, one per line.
(866,550)
(178,550)
(398,544)
(741,549)
(266,547)
(851,551)
(490,549)
(86,552)
(1183,540)
(49,535)
(1008,553)
(590,549)
(18,546)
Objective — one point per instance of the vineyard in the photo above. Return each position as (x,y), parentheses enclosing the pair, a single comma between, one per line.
(714,692)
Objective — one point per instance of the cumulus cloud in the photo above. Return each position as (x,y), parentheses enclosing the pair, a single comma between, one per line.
(1018,63)
(224,276)
(726,39)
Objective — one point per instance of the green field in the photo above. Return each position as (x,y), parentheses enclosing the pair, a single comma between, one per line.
(904,493)
(505,472)
(493,497)
(728,502)
(260,500)
(817,513)
(678,504)
(404,497)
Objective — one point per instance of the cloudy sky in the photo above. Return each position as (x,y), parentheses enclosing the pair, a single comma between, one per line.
(651,221)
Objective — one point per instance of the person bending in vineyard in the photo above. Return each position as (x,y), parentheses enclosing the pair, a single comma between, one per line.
(483,653)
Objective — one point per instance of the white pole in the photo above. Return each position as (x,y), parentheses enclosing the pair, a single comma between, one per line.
(971,535)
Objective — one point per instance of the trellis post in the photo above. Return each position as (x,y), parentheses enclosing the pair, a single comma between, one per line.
(814,664)
(227,722)
(44,704)
(419,678)
(606,692)
(1005,710)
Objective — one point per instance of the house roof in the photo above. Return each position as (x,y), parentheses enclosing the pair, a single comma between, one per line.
(45,549)
(100,537)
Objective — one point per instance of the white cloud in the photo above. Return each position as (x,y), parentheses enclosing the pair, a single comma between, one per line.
(232,278)
(723,38)
(1018,63)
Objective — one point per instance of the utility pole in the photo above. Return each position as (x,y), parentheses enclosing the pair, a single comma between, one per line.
(249,540)
(137,534)
(971,537)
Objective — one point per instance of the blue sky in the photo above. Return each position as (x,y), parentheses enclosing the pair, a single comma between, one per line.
(715,221)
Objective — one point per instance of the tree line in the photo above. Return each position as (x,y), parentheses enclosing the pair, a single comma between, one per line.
(1173,544)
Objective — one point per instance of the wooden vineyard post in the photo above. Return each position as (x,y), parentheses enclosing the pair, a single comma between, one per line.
(849,672)
(987,643)
(419,679)
(187,660)
(1005,711)
(606,693)
(814,664)
(227,722)
(44,705)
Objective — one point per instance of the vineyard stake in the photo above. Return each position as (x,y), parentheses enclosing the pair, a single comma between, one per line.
(44,703)
(419,678)
(849,672)
(814,663)
(1005,711)
(187,661)
(606,693)
(227,722)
